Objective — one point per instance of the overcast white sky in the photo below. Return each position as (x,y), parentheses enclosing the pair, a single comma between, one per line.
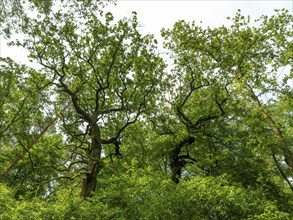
(154,15)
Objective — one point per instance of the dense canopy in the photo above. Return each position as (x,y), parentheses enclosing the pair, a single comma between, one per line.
(102,125)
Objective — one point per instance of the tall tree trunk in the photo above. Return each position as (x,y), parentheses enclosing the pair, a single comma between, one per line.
(94,164)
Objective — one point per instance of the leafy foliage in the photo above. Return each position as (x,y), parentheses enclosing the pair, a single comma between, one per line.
(15,14)
(101,130)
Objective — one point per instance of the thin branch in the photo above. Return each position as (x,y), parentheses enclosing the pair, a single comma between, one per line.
(21,155)
(281,171)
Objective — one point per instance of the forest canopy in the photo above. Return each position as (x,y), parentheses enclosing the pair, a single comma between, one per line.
(104,128)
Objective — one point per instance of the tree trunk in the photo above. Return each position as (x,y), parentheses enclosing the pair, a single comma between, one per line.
(176,162)
(94,164)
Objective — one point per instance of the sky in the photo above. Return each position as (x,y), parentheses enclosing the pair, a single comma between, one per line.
(154,15)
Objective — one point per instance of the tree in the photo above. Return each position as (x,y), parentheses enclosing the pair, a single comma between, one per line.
(233,64)
(109,72)
(27,129)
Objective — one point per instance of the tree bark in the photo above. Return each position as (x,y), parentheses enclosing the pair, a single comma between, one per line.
(94,164)
(176,162)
